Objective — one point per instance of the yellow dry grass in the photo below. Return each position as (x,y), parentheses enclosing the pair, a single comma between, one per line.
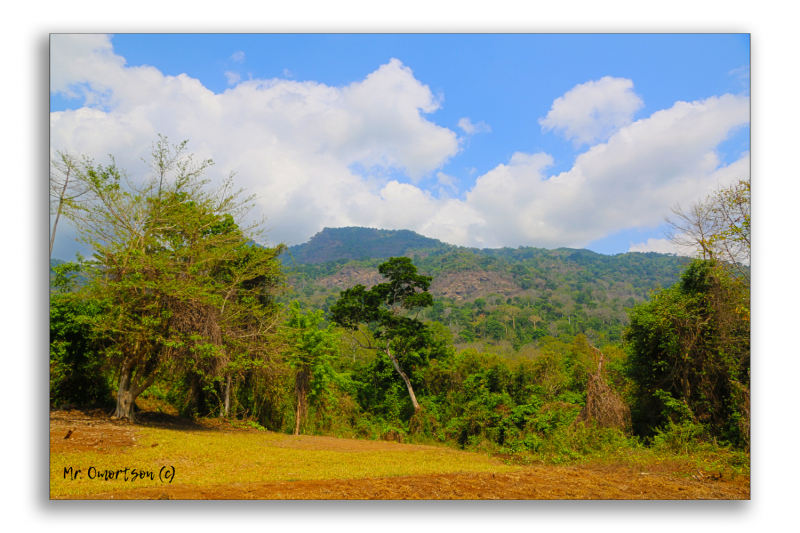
(207,458)
(216,459)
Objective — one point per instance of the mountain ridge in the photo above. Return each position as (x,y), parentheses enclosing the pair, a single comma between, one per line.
(359,243)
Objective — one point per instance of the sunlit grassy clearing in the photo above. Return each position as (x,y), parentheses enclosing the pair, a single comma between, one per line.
(207,458)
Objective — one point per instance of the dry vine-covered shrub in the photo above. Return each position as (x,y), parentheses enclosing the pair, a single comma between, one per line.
(692,342)
(743,394)
(191,318)
(604,407)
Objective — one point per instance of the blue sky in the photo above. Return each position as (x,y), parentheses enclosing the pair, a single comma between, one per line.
(458,137)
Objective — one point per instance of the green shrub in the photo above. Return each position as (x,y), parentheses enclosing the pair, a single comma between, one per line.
(77,361)
(679,438)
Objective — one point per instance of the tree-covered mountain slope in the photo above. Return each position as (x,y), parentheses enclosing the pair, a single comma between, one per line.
(514,295)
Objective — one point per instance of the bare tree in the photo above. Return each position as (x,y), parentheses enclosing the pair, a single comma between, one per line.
(67,186)
(717,228)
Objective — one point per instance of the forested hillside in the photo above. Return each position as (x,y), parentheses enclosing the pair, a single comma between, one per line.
(502,295)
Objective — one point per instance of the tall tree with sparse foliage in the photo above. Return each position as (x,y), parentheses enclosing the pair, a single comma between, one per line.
(381,315)
(175,267)
(68,186)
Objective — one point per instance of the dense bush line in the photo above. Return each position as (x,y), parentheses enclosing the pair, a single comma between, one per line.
(182,307)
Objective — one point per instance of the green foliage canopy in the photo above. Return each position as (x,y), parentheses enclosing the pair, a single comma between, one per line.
(177,272)
(311,352)
(382,310)
(691,343)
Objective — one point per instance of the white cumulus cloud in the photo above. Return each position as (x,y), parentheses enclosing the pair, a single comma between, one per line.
(629,181)
(321,156)
(594,110)
(314,154)
(470,128)
(233,77)
(447,184)
(662,246)
(238,56)
(76,58)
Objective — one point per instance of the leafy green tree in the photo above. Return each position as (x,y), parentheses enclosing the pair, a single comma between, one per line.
(691,343)
(437,311)
(709,310)
(380,315)
(175,268)
(77,363)
(495,329)
(310,352)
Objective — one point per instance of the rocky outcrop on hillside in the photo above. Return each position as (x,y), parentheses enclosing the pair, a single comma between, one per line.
(350,277)
(460,286)
(472,284)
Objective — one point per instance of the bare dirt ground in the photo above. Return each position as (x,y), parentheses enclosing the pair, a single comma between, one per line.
(88,431)
(530,483)
(97,432)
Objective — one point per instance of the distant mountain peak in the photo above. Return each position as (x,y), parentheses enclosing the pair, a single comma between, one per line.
(355,242)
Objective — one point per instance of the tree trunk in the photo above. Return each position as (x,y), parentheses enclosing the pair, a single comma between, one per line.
(687,391)
(53,234)
(301,384)
(227,395)
(124,399)
(58,213)
(405,379)
(298,414)
(129,389)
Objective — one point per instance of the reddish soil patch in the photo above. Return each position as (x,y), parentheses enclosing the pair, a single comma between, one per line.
(94,430)
(72,431)
(530,483)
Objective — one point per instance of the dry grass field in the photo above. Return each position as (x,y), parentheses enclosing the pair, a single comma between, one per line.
(89,455)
